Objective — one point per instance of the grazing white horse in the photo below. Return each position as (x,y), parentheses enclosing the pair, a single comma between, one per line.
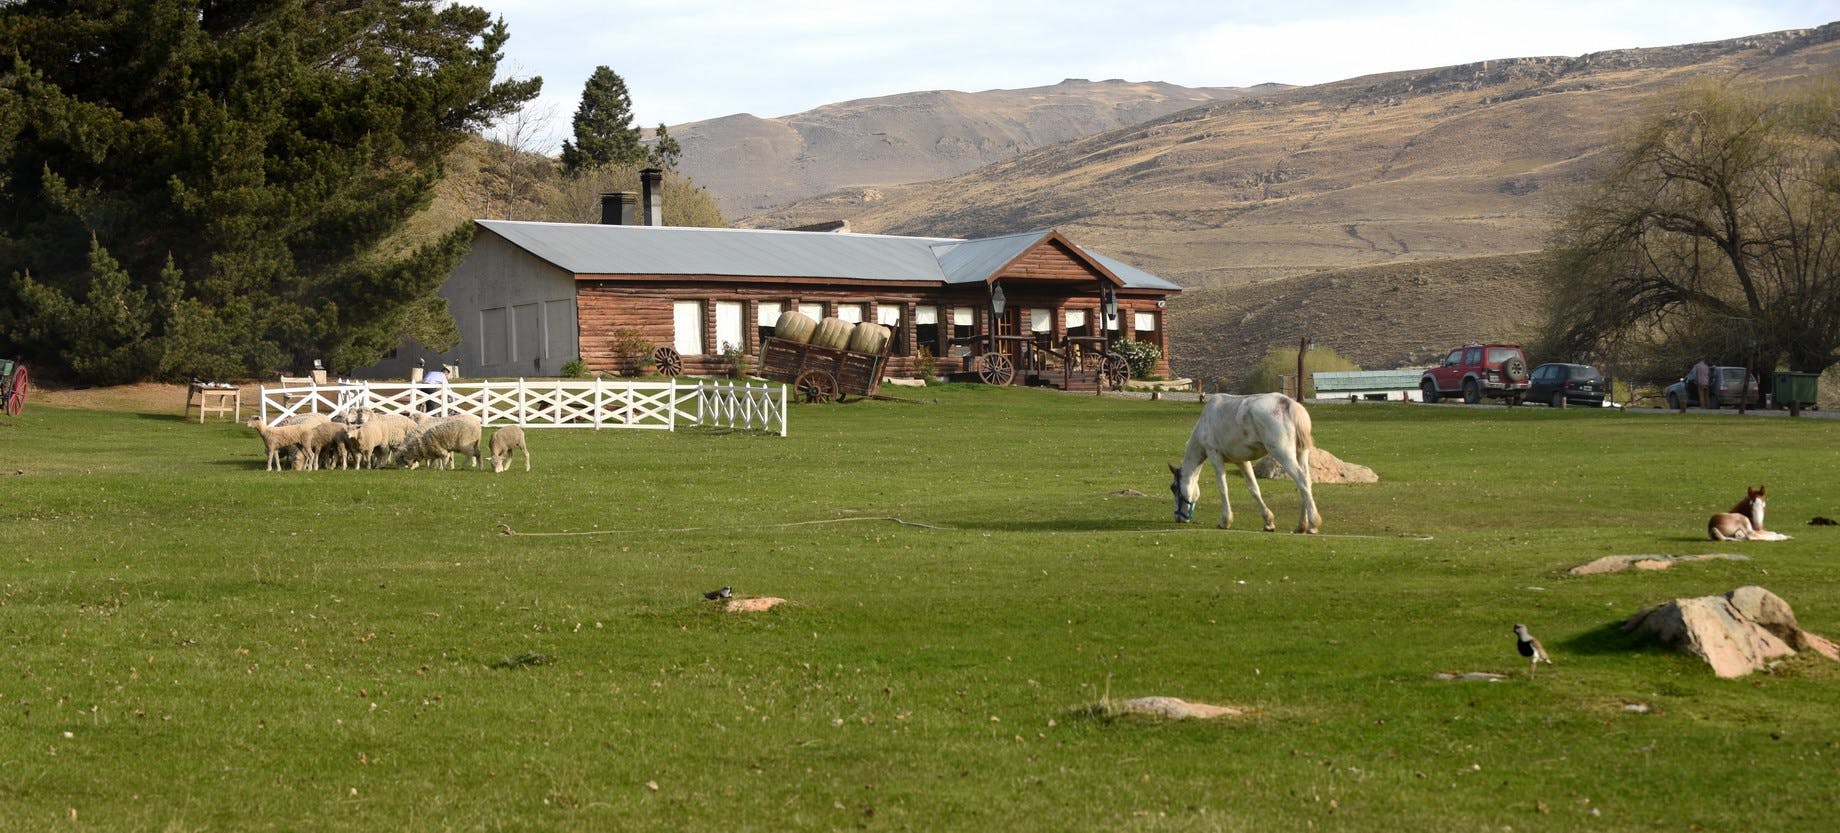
(1241,429)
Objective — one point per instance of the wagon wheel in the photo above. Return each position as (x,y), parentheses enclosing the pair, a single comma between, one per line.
(16,398)
(668,361)
(996,369)
(816,386)
(1116,370)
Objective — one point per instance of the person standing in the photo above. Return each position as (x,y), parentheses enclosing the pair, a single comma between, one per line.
(1702,381)
(434,382)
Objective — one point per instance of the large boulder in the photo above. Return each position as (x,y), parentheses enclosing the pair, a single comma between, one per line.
(1737,633)
(1324,468)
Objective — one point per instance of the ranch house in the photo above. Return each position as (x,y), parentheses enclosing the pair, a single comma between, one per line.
(530,297)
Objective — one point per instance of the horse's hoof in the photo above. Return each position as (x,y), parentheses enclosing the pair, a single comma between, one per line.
(1271,527)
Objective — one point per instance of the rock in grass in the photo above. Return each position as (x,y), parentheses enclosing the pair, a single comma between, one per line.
(1324,468)
(1619,563)
(1173,708)
(1737,633)
(755,605)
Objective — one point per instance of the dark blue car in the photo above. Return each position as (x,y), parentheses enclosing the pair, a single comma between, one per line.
(1559,385)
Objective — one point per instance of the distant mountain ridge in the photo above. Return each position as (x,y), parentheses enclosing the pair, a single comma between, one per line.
(1462,162)
(753,164)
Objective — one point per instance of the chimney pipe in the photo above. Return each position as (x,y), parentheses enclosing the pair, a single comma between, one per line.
(651,184)
(618,208)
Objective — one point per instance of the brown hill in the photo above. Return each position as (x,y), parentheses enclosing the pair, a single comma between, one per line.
(754,164)
(1392,315)
(1456,162)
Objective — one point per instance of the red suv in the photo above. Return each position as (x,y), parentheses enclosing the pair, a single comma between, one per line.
(1497,371)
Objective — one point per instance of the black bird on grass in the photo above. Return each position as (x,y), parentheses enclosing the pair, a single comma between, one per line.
(718,595)
(1530,648)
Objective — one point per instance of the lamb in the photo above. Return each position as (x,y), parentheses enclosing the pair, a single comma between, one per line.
(437,442)
(279,437)
(505,442)
(322,439)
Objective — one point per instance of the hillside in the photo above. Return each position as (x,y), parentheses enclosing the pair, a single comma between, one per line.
(754,164)
(1456,162)
(1392,315)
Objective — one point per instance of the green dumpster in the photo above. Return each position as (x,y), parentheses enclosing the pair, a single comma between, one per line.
(1789,389)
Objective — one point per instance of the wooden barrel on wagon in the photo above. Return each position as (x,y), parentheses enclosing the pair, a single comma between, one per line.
(794,326)
(868,338)
(833,333)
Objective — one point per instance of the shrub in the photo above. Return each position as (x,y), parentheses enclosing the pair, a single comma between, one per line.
(924,363)
(632,351)
(737,359)
(1142,356)
(575,369)
(1282,362)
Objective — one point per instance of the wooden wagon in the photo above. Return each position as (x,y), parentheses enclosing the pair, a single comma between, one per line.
(822,374)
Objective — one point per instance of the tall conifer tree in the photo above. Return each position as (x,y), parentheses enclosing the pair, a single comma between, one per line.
(244,170)
(604,129)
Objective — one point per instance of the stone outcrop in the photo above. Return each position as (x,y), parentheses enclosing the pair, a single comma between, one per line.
(1173,708)
(1737,633)
(1324,468)
(755,605)
(1619,563)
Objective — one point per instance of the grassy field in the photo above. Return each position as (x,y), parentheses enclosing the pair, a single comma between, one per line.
(192,643)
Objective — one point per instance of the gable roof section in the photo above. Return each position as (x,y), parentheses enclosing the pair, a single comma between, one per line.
(588,249)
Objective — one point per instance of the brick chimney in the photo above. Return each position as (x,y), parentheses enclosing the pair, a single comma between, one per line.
(619,208)
(651,186)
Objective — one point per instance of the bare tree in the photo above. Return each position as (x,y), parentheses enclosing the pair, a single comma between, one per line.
(1712,229)
(516,162)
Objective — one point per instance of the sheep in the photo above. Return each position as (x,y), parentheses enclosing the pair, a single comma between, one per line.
(437,442)
(279,437)
(505,442)
(323,438)
(379,436)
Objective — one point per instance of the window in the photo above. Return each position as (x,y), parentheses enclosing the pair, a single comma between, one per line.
(852,313)
(816,311)
(889,315)
(766,317)
(494,336)
(1143,325)
(1472,356)
(926,328)
(526,332)
(1041,320)
(687,316)
(728,326)
(1076,323)
(962,327)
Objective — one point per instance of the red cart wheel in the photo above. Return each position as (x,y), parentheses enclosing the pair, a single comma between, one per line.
(16,398)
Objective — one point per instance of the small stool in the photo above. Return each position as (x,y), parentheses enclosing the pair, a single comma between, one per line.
(214,401)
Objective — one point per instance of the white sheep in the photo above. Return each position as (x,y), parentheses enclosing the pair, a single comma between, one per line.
(379,436)
(279,437)
(506,441)
(323,440)
(438,441)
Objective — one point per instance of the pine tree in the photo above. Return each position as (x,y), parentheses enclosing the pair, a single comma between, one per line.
(604,130)
(248,168)
(665,151)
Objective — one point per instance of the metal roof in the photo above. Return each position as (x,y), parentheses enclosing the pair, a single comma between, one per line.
(590,249)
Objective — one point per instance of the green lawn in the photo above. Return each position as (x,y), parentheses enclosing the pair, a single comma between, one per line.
(192,643)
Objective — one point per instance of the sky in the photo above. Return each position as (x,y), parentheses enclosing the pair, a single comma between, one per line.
(689,60)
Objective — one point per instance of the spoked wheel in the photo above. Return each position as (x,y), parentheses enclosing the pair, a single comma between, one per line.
(16,397)
(669,362)
(816,386)
(1115,370)
(996,369)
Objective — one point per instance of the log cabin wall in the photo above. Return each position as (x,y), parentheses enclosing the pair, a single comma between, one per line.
(643,306)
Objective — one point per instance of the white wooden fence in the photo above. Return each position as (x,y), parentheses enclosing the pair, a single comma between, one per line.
(550,403)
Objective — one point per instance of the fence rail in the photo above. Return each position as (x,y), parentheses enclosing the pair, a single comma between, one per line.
(550,403)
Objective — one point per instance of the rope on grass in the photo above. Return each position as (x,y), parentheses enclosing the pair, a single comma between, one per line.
(506,530)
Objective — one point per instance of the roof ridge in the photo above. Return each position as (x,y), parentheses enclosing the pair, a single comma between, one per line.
(810,234)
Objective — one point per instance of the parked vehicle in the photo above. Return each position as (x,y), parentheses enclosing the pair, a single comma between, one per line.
(1727,386)
(1558,384)
(1495,371)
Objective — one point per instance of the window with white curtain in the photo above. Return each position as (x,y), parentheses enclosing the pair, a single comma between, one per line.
(766,317)
(852,313)
(816,311)
(1076,323)
(964,325)
(728,326)
(687,318)
(1145,325)
(1041,320)
(889,315)
(926,328)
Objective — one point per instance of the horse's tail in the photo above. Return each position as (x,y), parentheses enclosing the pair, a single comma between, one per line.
(1305,442)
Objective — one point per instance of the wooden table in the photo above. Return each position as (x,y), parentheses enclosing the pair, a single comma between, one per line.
(211,400)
